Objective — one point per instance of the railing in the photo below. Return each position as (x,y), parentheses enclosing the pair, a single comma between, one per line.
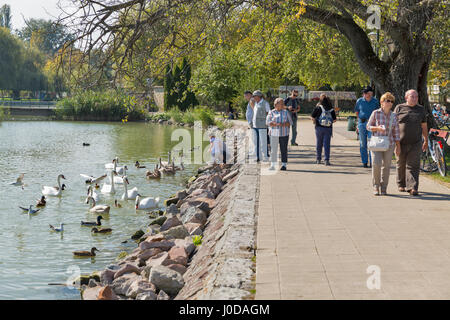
(28,104)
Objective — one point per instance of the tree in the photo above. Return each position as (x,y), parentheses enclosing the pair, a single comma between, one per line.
(168,89)
(5,16)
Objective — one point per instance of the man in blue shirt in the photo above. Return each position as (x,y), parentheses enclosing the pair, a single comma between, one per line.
(364,108)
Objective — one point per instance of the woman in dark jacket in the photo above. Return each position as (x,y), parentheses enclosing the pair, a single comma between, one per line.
(323,116)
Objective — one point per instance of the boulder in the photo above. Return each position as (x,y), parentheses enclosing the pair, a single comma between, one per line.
(179,255)
(147,295)
(173,209)
(159,221)
(92,283)
(158,260)
(146,254)
(137,235)
(140,286)
(186,243)
(181,195)
(166,279)
(106,293)
(178,232)
(145,273)
(127,268)
(170,223)
(178,268)
(107,276)
(170,201)
(122,284)
(230,176)
(194,229)
(194,215)
(163,245)
(91,293)
(162,295)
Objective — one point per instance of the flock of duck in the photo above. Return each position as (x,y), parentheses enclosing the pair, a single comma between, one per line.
(117,175)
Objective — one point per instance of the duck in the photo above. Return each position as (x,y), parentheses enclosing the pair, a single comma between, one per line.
(167,170)
(100,208)
(85,144)
(138,165)
(60,229)
(91,179)
(41,202)
(19,181)
(156,174)
(54,191)
(97,186)
(117,204)
(101,230)
(146,203)
(91,192)
(109,188)
(90,223)
(30,210)
(128,194)
(86,253)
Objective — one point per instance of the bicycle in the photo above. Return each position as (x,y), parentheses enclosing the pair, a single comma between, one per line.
(433,158)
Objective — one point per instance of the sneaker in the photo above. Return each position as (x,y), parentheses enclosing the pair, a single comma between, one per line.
(365,165)
(327,163)
(383,193)
(318,161)
(401,189)
(283,168)
(376,191)
(271,168)
(413,192)
(294,144)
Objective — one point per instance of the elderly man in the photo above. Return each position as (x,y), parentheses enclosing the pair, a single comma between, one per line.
(364,108)
(293,106)
(412,120)
(260,111)
(249,116)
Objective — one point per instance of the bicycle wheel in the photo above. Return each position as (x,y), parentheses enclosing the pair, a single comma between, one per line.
(427,163)
(440,158)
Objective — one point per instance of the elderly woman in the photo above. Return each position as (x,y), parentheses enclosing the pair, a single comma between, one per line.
(383,122)
(278,120)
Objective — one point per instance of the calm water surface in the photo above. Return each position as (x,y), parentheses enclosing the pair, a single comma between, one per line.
(31,256)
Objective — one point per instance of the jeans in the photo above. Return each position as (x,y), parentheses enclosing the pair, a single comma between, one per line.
(408,166)
(274,141)
(294,130)
(261,145)
(364,134)
(381,166)
(323,138)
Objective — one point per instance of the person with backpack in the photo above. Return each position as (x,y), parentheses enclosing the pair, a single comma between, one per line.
(323,116)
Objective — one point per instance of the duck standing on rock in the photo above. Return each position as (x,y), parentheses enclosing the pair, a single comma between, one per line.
(41,202)
(101,230)
(86,253)
(90,224)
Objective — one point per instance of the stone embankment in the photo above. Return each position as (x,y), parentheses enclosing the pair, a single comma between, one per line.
(201,247)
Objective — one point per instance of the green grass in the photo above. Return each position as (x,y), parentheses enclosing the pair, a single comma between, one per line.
(437,175)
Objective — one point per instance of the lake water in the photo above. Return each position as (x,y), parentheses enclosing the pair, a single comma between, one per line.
(32,256)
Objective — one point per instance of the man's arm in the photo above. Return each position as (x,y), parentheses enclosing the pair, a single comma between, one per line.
(425,136)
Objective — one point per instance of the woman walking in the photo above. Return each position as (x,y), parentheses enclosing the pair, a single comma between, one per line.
(384,122)
(323,116)
(278,120)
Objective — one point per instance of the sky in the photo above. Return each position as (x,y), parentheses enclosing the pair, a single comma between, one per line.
(39,9)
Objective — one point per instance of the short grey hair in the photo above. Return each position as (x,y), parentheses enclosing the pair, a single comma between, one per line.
(277,101)
(407,93)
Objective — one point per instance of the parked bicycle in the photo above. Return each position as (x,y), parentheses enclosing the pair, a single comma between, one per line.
(433,158)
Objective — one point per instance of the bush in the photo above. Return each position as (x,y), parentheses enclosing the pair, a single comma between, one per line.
(108,105)
(205,115)
(189,117)
(175,114)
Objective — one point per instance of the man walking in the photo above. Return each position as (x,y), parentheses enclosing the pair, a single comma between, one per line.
(364,108)
(293,106)
(412,120)
(260,111)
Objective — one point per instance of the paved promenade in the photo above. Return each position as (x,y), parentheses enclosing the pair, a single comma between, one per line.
(320,228)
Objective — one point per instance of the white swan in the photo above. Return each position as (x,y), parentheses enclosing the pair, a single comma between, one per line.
(112,165)
(109,188)
(91,192)
(98,208)
(129,194)
(146,203)
(53,191)
(119,180)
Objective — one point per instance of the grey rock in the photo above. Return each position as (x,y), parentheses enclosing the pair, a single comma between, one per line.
(181,194)
(173,209)
(194,215)
(159,259)
(127,268)
(147,295)
(162,295)
(107,276)
(166,279)
(145,273)
(159,221)
(178,232)
(186,243)
(164,245)
(139,286)
(137,235)
(92,283)
(171,222)
(122,284)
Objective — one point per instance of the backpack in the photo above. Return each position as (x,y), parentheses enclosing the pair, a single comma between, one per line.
(325,119)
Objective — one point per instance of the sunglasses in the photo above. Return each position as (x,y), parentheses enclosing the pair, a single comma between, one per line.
(389,101)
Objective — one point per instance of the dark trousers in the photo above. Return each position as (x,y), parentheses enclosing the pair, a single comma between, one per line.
(283,142)
(323,138)
(408,166)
